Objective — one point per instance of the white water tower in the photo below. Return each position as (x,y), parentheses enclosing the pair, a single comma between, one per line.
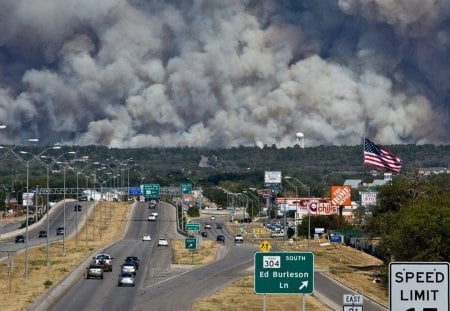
(300,140)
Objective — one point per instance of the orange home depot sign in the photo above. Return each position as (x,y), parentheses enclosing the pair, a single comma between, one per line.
(341,195)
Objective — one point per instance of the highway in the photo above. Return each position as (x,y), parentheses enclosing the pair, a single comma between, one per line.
(73,219)
(161,285)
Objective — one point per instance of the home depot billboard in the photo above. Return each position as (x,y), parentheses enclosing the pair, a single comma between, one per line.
(341,195)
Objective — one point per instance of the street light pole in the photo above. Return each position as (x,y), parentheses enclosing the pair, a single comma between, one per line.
(309,216)
(27,164)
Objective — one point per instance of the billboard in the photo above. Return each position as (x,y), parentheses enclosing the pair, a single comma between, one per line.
(272,178)
(305,206)
(368,198)
(341,195)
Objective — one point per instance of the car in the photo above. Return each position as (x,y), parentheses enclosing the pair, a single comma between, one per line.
(104,260)
(94,271)
(42,234)
(128,268)
(212,218)
(83,198)
(204,234)
(220,239)
(163,242)
(146,237)
(219,226)
(239,239)
(134,260)
(77,208)
(60,231)
(154,214)
(278,234)
(207,226)
(20,239)
(152,218)
(125,279)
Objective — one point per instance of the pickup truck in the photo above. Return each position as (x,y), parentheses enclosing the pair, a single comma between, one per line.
(104,260)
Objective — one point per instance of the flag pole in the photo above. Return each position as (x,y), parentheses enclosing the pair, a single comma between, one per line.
(364,167)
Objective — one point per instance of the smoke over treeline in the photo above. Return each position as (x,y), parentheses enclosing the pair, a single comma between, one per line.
(224,73)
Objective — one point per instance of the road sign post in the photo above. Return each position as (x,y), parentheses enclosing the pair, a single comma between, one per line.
(151,191)
(193,227)
(284,273)
(190,243)
(418,286)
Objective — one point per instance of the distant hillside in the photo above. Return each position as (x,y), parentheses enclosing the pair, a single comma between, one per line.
(175,164)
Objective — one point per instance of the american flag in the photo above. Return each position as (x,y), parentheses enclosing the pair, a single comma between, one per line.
(381,158)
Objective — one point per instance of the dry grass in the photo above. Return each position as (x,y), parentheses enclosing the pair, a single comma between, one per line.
(204,254)
(240,296)
(351,267)
(16,293)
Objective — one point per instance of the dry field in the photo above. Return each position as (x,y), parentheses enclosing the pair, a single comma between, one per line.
(16,293)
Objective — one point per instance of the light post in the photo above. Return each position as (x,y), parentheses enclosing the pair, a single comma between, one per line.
(309,196)
(27,164)
(255,197)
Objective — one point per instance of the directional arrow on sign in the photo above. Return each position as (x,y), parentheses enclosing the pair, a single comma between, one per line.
(304,284)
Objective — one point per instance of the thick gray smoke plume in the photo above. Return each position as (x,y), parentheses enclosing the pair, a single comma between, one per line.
(224,73)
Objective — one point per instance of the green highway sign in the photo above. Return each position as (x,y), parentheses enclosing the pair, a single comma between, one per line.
(186,188)
(190,243)
(151,190)
(193,227)
(284,273)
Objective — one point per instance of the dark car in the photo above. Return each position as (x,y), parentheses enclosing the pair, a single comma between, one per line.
(219,226)
(42,234)
(20,239)
(220,239)
(133,260)
(60,231)
(77,208)
(204,234)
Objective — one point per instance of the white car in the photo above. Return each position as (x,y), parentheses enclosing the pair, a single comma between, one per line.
(163,242)
(154,214)
(213,218)
(207,226)
(126,279)
(151,218)
(146,237)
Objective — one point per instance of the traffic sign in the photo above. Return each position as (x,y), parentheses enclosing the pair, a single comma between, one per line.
(151,191)
(265,246)
(190,243)
(192,226)
(418,286)
(134,191)
(284,273)
(353,299)
(353,308)
(186,188)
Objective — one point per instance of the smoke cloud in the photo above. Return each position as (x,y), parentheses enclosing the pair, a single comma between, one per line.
(220,73)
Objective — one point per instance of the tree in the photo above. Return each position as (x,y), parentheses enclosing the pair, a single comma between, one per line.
(422,233)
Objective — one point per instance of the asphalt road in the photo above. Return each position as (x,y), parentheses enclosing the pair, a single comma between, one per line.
(70,219)
(159,284)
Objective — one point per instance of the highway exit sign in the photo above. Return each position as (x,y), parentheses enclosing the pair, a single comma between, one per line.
(151,191)
(193,226)
(190,243)
(419,286)
(284,273)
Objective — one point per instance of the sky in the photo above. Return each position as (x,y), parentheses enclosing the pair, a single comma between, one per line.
(221,74)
